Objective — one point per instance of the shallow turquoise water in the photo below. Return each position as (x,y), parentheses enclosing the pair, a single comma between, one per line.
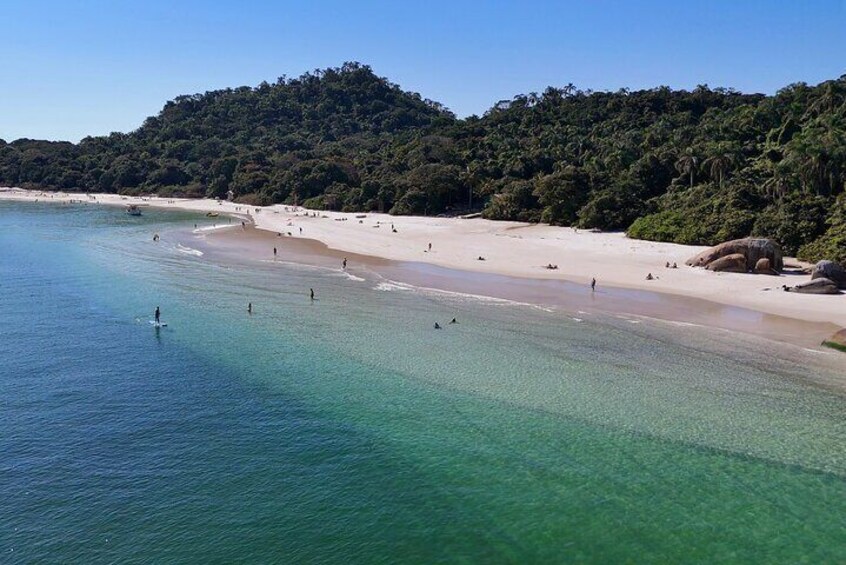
(347,430)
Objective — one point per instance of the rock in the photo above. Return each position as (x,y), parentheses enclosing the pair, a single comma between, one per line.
(816,286)
(734,263)
(764,267)
(830,270)
(837,341)
(751,248)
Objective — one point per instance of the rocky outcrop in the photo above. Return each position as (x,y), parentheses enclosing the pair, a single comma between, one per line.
(764,267)
(752,249)
(837,341)
(816,286)
(734,263)
(830,270)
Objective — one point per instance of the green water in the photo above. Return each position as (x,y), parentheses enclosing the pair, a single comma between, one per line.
(348,430)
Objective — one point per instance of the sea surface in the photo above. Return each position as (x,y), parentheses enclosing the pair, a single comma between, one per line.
(349,430)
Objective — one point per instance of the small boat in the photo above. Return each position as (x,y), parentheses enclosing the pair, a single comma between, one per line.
(133,210)
(212,214)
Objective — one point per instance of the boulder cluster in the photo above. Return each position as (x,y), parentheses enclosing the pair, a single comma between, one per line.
(764,256)
(827,277)
(747,255)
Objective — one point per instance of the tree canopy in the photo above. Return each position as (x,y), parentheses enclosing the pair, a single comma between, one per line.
(696,166)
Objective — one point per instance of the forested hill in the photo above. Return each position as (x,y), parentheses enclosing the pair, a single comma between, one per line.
(691,167)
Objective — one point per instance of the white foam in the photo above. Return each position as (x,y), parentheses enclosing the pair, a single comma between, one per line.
(398,286)
(818,351)
(392,287)
(188,250)
(207,229)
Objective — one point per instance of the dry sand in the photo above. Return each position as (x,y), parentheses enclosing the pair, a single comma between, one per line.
(512,249)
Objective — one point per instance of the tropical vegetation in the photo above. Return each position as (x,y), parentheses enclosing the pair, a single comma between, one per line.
(698,166)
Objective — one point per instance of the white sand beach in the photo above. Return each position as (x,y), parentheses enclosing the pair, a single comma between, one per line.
(509,248)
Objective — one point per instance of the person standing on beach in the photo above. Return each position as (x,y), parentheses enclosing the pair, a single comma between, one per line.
(592,284)
(311,292)
(274,253)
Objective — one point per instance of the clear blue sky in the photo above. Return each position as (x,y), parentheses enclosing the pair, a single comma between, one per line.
(72,68)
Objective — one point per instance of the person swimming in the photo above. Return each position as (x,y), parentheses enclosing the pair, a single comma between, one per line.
(437,326)
(453,321)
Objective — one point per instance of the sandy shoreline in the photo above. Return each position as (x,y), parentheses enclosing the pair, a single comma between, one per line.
(518,250)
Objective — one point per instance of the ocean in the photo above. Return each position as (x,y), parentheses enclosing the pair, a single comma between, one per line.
(349,430)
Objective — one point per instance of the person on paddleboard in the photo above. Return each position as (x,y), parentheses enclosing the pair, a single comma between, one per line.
(158,314)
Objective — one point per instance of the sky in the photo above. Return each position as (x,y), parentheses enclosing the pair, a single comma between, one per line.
(72,68)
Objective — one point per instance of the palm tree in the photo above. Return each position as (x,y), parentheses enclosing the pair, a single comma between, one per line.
(686,165)
(719,165)
(776,186)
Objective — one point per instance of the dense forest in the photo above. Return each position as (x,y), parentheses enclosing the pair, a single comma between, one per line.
(699,166)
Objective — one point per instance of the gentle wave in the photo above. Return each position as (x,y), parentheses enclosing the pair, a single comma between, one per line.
(188,250)
(392,286)
(352,277)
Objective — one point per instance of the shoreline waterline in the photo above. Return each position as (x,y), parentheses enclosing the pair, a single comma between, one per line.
(576,300)
(708,299)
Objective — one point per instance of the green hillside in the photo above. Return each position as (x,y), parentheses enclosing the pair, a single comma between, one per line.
(690,167)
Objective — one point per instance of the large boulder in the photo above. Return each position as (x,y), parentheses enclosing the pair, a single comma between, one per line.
(816,286)
(830,270)
(764,267)
(753,249)
(734,263)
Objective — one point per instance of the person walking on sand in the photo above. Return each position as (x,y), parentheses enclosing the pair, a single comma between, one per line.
(592,284)
(430,247)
